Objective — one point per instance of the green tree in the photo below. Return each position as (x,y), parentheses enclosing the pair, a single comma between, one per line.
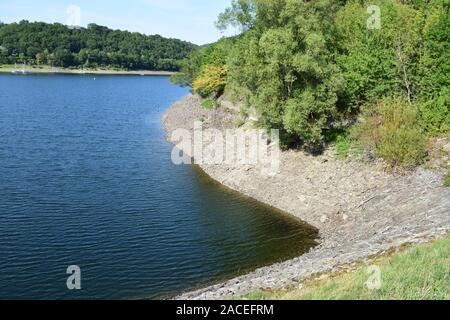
(285,67)
(434,68)
(73,47)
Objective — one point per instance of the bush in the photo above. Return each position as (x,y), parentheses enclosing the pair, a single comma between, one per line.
(208,104)
(435,113)
(391,131)
(211,81)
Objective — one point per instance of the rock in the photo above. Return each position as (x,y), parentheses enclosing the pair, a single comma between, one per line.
(385,210)
(447,147)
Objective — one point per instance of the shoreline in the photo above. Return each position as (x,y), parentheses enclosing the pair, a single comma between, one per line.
(48,70)
(358,208)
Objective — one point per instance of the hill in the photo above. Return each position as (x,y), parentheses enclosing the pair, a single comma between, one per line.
(96,46)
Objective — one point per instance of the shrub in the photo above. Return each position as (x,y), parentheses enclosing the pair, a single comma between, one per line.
(435,113)
(208,104)
(392,132)
(211,81)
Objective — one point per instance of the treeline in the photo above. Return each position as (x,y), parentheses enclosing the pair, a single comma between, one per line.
(369,73)
(92,47)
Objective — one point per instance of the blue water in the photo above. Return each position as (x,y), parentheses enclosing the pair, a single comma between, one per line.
(86,179)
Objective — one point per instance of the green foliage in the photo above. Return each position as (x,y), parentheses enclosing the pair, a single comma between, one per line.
(92,47)
(345,141)
(409,55)
(435,113)
(240,14)
(342,146)
(209,104)
(447,180)
(211,82)
(392,132)
(283,66)
(211,55)
(308,67)
(435,68)
(367,65)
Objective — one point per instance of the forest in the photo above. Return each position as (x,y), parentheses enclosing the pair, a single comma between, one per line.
(370,76)
(38,43)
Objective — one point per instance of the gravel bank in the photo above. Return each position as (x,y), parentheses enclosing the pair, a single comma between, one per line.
(359,209)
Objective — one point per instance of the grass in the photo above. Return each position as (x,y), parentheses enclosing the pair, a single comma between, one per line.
(419,273)
(343,146)
(208,104)
(447,180)
(239,122)
(345,142)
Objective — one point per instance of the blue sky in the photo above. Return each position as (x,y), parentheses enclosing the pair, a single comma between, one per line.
(191,20)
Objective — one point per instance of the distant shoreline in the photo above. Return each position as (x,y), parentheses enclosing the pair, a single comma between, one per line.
(49,70)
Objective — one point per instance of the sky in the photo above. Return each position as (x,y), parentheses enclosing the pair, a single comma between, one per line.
(190,20)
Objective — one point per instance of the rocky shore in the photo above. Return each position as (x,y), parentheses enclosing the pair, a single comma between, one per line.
(360,209)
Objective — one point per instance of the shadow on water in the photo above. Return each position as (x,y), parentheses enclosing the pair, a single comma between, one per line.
(295,237)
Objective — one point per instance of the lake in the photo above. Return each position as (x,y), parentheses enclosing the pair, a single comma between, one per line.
(86,179)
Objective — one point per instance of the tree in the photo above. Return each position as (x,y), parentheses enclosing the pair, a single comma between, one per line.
(434,68)
(211,81)
(286,68)
(240,14)
(38,58)
(312,68)
(63,58)
(109,48)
